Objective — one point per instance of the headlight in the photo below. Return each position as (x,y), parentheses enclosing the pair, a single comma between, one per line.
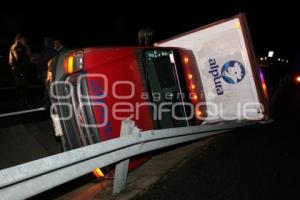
(74,62)
(297,79)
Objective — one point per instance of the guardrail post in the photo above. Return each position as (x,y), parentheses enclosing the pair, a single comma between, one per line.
(121,170)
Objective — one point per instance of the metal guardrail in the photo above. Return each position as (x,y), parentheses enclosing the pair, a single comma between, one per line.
(28,179)
(21,112)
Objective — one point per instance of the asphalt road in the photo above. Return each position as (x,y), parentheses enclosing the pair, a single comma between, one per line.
(260,162)
(26,138)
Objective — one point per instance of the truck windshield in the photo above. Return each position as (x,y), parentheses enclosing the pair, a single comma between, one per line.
(160,63)
(164,76)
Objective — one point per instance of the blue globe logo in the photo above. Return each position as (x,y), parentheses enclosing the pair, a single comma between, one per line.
(233,72)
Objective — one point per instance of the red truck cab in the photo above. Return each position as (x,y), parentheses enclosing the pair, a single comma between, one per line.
(96,88)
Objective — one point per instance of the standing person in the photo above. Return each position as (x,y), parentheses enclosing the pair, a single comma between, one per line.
(19,60)
(146,36)
(51,67)
(46,54)
(58,46)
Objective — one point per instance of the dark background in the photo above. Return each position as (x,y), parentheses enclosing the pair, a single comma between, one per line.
(273,25)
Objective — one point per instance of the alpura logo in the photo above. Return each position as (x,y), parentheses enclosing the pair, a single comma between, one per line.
(233,72)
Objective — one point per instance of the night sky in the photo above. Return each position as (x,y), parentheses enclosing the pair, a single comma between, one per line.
(274,26)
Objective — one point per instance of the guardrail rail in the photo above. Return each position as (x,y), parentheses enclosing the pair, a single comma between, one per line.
(28,179)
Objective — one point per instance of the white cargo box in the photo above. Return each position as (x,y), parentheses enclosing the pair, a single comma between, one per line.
(228,69)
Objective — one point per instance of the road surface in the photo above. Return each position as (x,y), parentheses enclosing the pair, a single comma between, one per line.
(251,163)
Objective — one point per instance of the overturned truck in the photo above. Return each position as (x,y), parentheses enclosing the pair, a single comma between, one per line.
(208,75)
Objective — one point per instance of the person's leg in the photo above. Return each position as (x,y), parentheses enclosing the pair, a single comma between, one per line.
(21,91)
(18,87)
